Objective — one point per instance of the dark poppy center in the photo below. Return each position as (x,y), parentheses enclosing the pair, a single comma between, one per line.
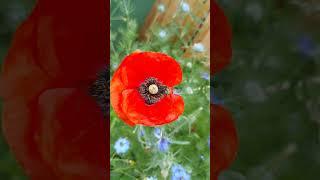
(99,90)
(152,90)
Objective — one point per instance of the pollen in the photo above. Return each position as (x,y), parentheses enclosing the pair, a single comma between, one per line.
(153,89)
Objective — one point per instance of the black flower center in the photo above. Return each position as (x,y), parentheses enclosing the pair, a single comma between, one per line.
(152,90)
(99,90)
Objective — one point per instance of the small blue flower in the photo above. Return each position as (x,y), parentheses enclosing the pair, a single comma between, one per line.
(162,34)
(185,7)
(161,8)
(179,173)
(141,132)
(163,145)
(157,133)
(214,99)
(122,145)
(151,178)
(306,46)
(205,76)
(198,47)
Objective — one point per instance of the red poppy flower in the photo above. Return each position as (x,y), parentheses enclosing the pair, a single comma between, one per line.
(52,107)
(224,136)
(141,89)
(221,45)
(224,139)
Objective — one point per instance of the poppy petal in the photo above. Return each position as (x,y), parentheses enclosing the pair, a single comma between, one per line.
(116,88)
(221,45)
(165,111)
(224,138)
(19,68)
(67,40)
(72,134)
(18,125)
(137,67)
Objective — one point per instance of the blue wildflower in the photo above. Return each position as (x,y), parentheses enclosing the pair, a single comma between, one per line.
(122,145)
(185,7)
(162,34)
(179,173)
(163,145)
(214,99)
(157,133)
(205,76)
(198,47)
(141,132)
(306,46)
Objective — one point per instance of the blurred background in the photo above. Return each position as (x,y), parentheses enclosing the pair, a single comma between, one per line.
(12,13)
(272,86)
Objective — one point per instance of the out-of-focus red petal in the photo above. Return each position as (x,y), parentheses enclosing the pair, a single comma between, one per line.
(165,111)
(19,125)
(136,67)
(20,76)
(224,138)
(72,134)
(69,35)
(221,45)
(56,41)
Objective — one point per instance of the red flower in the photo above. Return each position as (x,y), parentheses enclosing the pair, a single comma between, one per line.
(224,136)
(141,89)
(55,129)
(224,139)
(221,45)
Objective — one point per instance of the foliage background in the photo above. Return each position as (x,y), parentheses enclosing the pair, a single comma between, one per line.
(12,12)
(272,86)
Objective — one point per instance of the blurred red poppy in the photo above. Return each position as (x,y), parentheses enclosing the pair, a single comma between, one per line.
(53,125)
(224,139)
(221,45)
(141,89)
(224,136)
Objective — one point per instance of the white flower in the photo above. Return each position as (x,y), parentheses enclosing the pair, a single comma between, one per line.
(189,90)
(162,34)
(161,8)
(189,65)
(198,47)
(185,7)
